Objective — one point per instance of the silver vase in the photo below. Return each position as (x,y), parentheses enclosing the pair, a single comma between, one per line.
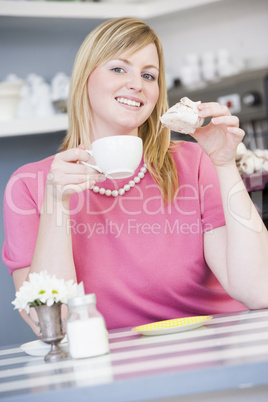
(50,324)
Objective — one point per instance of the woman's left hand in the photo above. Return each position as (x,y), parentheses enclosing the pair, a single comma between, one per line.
(220,138)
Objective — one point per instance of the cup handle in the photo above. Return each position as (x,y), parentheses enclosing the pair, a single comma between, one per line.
(96,167)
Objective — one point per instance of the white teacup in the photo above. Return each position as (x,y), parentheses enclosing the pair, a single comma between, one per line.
(117,156)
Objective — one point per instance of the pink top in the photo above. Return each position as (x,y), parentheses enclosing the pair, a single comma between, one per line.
(143,259)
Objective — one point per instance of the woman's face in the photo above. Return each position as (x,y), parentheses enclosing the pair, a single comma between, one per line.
(123,92)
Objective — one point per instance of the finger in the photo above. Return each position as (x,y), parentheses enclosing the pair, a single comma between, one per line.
(226,120)
(75,168)
(65,179)
(93,169)
(70,168)
(81,146)
(78,188)
(237,131)
(213,109)
(73,155)
(68,179)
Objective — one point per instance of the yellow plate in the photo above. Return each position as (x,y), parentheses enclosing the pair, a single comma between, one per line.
(171,326)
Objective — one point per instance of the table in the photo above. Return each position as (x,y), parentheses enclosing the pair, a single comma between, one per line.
(227,359)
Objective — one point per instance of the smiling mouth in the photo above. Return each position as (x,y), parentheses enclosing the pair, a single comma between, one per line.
(129,102)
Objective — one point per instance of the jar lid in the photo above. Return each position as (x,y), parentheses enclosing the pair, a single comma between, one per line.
(80,300)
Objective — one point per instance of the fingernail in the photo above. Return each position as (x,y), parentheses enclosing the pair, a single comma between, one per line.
(101,178)
(92,184)
(215,120)
(232,130)
(202,113)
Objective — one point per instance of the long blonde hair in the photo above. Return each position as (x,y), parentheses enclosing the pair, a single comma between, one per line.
(105,42)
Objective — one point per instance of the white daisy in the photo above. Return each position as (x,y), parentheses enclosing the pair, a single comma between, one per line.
(43,288)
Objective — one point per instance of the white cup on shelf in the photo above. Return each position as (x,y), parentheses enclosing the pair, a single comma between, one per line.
(9,99)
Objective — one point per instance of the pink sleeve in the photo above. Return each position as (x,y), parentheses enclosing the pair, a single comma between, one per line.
(22,204)
(210,197)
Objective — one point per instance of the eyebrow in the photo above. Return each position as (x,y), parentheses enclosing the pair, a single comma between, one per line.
(128,62)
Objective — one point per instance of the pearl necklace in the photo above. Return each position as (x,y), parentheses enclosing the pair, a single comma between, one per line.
(126,187)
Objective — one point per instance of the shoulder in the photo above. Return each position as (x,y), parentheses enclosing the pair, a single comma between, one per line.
(34,167)
(187,153)
(193,164)
(185,147)
(30,177)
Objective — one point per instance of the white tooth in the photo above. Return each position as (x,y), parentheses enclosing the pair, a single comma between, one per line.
(128,102)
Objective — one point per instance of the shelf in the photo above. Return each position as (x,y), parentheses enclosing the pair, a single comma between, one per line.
(97,10)
(255,181)
(22,13)
(58,122)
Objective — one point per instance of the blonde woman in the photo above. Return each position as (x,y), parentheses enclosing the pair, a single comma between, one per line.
(181,239)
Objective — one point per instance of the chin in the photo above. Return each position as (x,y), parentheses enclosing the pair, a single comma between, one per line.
(132,124)
(128,127)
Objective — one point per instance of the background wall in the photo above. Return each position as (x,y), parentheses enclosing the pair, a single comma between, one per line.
(46,47)
(239,26)
(14,152)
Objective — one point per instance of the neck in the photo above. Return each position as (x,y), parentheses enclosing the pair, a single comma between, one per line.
(100,132)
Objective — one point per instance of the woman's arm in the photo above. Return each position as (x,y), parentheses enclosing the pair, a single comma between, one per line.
(19,276)
(238,252)
(53,250)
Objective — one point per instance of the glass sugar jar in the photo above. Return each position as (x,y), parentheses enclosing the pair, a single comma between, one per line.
(86,329)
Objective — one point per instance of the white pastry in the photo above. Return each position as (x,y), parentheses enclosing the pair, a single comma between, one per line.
(246,164)
(183,117)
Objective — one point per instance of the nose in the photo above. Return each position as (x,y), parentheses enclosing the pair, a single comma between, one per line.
(134,81)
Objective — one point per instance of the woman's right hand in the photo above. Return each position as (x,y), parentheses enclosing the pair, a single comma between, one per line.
(68,176)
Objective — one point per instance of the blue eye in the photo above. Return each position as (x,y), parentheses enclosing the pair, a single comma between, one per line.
(148,77)
(118,70)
